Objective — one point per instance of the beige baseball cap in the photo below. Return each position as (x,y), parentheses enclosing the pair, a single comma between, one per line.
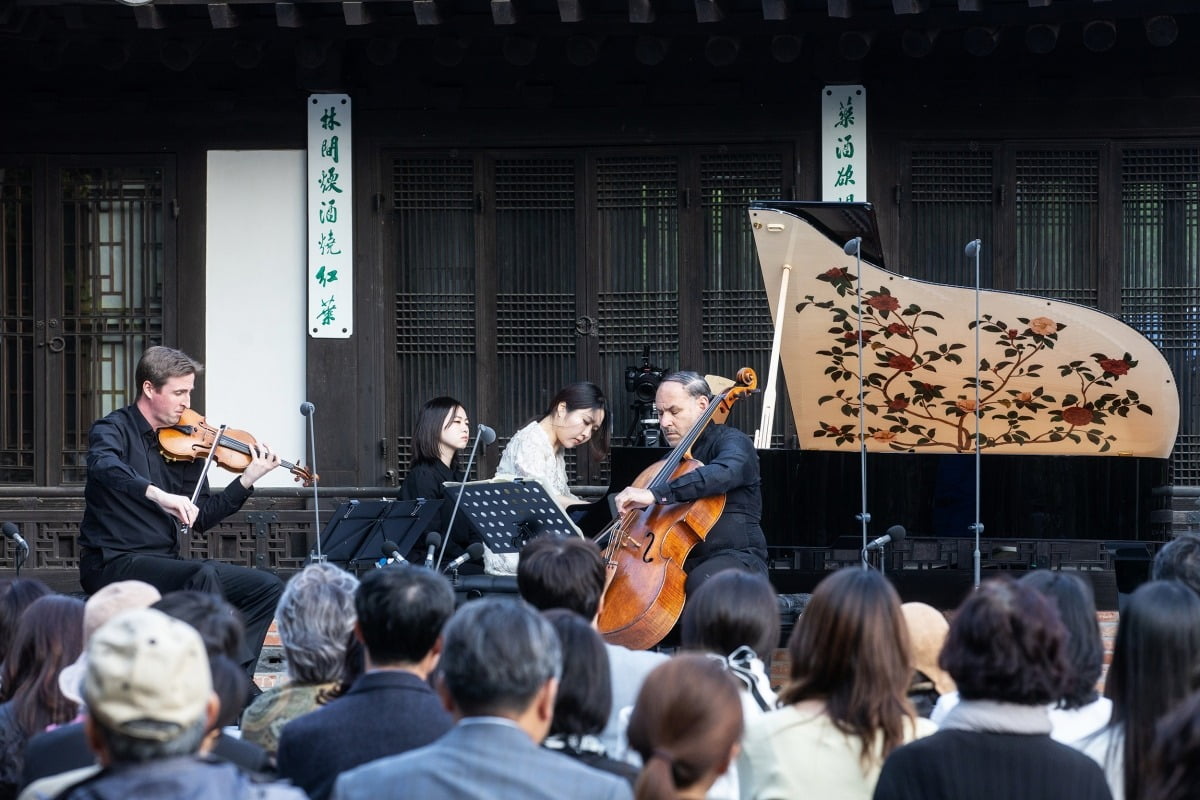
(147,675)
(101,607)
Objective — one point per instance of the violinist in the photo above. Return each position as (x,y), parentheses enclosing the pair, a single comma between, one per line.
(730,462)
(136,502)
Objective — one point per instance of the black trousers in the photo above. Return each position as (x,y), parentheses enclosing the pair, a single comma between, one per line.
(253,592)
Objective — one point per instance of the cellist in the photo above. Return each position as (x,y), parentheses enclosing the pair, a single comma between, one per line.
(730,461)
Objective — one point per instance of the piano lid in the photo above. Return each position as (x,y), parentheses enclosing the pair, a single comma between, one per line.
(1056,378)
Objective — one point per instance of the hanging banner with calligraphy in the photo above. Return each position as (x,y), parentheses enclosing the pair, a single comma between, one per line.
(844,144)
(330,218)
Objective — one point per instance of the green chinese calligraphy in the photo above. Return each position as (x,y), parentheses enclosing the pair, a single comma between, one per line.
(328,181)
(329,148)
(845,114)
(328,212)
(325,278)
(845,176)
(844,147)
(328,306)
(329,119)
(326,244)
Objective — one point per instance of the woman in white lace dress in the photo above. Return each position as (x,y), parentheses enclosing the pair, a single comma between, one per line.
(577,415)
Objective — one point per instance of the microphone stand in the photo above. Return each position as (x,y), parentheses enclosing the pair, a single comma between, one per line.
(854,248)
(458,500)
(972,251)
(308,409)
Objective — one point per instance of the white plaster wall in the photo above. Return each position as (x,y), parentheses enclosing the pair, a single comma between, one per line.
(254,359)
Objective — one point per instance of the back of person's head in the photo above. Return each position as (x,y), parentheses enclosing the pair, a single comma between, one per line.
(49,636)
(401,612)
(427,433)
(498,653)
(561,572)
(685,725)
(1073,598)
(218,623)
(1154,666)
(850,650)
(316,618)
(927,630)
(1007,644)
(229,685)
(584,699)
(16,595)
(733,608)
(102,606)
(1179,560)
(148,687)
(1173,763)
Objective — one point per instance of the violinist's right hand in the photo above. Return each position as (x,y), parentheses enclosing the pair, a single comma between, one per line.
(178,506)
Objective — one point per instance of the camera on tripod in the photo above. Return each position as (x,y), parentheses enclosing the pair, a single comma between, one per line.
(643,381)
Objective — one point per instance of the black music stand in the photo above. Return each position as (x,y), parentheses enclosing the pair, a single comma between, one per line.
(353,538)
(507,514)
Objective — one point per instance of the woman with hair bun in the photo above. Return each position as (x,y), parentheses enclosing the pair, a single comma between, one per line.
(686,726)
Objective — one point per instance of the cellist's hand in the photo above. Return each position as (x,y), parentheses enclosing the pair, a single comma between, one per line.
(633,498)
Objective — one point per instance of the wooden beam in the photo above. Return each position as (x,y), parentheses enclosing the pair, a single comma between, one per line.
(429,12)
(642,12)
(288,15)
(222,16)
(356,13)
(840,9)
(149,17)
(910,6)
(570,11)
(505,12)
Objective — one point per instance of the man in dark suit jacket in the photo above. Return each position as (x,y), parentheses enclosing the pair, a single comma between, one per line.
(391,708)
(499,676)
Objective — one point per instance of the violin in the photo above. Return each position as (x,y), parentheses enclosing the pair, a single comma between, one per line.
(644,592)
(192,438)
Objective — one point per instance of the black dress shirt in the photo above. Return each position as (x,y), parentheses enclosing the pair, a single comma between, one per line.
(425,480)
(123,460)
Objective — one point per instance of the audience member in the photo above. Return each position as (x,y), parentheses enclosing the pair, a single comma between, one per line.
(500,668)
(568,572)
(927,629)
(218,622)
(1154,666)
(149,698)
(1007,653)
(391,708)
(16,594)
(686,726)
(845,707)
(1179,560)
(1173,763)
(584,698)
(315,619)
(65,748)
(49,636)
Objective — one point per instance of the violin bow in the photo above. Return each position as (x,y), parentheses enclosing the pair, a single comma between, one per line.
(185,527)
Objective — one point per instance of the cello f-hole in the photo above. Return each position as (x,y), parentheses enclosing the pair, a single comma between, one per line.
(646,557)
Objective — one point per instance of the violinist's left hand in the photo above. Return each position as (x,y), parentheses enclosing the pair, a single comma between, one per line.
(632,498)
(263,461)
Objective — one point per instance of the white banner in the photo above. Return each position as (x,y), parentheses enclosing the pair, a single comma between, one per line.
(844,144)
(330,218)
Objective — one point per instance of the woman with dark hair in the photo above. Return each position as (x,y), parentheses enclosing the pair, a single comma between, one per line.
(49,637)
(1154,666)
(845,708)
(1173,763)
(15,596)
(441,433)
(1007,653)
(577,415)
(584,699)
(686,725)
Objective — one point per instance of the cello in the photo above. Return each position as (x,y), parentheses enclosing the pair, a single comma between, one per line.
(646,548)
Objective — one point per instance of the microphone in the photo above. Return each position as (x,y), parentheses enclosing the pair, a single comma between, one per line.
(474,553)
(486,435)
(432,540)
(11,531)
(852,247)
(972,248)
(392,551)
(894,535)
(307,409)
